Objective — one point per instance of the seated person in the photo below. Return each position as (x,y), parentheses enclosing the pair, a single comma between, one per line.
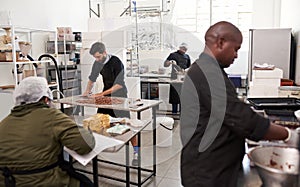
(33,136)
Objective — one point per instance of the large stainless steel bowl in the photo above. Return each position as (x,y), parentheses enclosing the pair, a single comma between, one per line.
(277,166)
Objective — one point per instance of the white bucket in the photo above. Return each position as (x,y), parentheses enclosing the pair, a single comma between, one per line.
(164,131)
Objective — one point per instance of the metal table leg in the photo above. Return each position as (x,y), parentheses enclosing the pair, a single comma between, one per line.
(139,153)
(82,110)
(149,90)
(127,165)
(154,138)
(139,160)
(95,171)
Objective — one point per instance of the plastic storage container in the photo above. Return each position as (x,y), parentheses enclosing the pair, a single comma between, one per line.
(164,131)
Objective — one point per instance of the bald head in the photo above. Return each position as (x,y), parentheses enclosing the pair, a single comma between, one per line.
(224,30)
(222,41)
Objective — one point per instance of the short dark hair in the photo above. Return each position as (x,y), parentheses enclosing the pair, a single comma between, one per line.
(97,47)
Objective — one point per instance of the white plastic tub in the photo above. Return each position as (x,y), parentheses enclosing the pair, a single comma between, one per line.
(164,131)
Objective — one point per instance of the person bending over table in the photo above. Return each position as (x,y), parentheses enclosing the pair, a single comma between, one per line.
(112,70)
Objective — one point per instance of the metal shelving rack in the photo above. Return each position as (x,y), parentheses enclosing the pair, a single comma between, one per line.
(69,84)
(14,62)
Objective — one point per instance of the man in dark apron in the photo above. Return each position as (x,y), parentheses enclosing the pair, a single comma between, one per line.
(112,70)
(180,61)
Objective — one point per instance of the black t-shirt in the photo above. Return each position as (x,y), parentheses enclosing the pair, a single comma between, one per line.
(209,99)
(182,60)
(112,73)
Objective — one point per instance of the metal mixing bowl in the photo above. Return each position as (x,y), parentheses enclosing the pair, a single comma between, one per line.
(277,166)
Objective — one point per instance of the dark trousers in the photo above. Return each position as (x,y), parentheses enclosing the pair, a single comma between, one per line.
(174,108)
(86,184)
(114,113)
(174,96)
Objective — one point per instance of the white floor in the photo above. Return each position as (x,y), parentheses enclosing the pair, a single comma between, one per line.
(168,163)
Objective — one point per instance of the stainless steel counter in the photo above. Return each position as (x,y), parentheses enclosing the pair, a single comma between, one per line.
(160,80)
(154,75)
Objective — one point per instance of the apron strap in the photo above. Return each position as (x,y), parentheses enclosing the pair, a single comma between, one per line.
(10,180)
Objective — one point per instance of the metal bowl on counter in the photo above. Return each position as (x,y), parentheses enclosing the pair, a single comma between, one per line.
(277,166)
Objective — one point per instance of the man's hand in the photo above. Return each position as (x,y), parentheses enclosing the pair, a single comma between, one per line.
(86,94)
(167,63)
(97,95)
(173,62)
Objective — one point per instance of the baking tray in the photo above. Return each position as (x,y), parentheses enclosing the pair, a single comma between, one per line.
(283,117)
(282,112)
(275,103)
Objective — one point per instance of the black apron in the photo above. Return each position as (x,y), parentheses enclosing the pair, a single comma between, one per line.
(175,90)
(108,80)
(182,61)
(10,181)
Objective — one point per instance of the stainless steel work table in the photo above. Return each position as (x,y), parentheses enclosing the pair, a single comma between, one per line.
(127,105)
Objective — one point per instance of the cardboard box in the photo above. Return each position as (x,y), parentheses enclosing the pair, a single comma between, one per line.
(65,33)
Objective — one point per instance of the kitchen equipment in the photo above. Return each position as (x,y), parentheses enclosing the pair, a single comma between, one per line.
(271,46)
(277,166)
(265,83)
(283,117)
(164,131)
(177,68)
(275,103)
(179,72)
(297,114)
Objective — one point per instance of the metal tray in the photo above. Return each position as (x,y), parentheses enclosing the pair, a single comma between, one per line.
(275,103)
(283,117)
(282,112)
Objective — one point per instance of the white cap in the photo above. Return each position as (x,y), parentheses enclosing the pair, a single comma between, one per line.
(184,45)
(31,90)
